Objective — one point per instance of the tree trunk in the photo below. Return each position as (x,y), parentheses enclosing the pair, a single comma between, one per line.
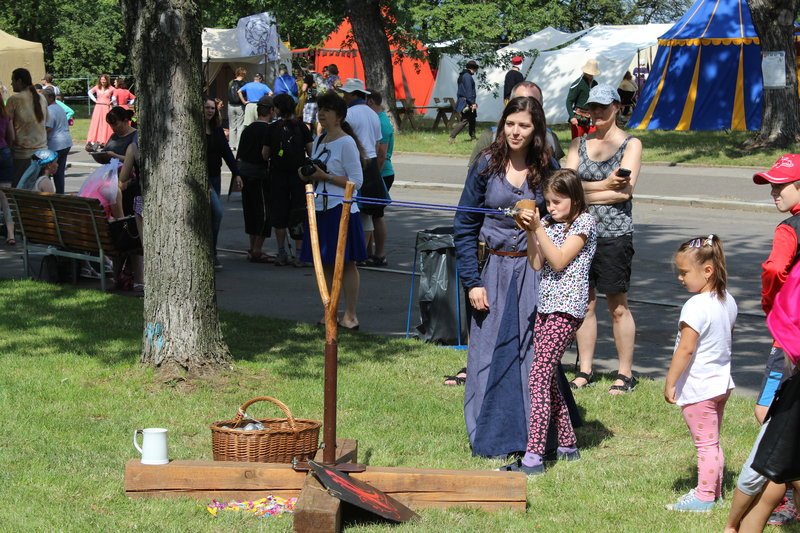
(181,325)
(370,35)
(774,23)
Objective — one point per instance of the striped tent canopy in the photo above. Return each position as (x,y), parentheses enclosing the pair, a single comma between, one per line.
(706,74)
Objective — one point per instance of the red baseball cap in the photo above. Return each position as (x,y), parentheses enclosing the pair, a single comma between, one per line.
(785,170)
(516,60)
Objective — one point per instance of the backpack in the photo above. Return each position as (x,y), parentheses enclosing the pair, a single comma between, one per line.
(233,92)
(291,150)
(784,317)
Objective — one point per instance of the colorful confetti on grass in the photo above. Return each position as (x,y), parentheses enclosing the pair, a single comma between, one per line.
(265,507)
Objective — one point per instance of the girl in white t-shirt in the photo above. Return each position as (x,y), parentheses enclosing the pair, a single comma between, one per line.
(699,377)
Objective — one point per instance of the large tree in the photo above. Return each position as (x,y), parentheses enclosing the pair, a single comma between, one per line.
(774,22)
(369,32)
(182,329)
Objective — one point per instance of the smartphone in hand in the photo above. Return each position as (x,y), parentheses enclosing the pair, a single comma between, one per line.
(623,172)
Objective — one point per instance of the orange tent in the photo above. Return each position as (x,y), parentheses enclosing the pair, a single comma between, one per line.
(412,77)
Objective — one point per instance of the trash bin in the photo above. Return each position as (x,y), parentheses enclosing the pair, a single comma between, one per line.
(441,302)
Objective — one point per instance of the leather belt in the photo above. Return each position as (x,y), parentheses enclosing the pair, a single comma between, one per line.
(508,254)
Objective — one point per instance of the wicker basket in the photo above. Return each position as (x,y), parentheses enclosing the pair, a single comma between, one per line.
(281,441)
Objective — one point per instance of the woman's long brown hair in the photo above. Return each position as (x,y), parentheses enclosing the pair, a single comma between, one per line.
(537,158)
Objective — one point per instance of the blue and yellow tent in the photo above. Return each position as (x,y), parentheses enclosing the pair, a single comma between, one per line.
(706,74)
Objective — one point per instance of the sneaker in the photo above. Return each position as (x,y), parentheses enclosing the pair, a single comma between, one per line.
(217,264)
(785,513)
(688,503)
(517,466)
(571,455)
(300,264)
(282,258)
(89,273)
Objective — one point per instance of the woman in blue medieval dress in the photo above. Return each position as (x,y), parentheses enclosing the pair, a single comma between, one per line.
(503,294)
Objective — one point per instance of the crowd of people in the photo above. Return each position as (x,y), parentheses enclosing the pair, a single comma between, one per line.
(532,285)
(531,280)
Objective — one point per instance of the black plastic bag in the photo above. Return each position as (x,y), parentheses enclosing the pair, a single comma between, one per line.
(125,234)
(778,454)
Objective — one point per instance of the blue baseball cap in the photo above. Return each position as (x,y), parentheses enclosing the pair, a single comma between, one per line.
(44,157)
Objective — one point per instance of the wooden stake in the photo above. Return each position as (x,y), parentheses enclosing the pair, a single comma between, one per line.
(330,303)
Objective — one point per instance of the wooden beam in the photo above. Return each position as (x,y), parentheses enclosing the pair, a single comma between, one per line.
(316,510)
(423,489)
(206,476)
(203,477)
(415,487)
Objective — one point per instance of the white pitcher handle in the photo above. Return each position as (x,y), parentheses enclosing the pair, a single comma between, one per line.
(136,444)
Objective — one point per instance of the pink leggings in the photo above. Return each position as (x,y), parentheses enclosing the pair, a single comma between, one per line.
(552,333)
(705,423)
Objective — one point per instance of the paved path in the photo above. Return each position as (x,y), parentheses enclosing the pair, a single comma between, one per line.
(672,203)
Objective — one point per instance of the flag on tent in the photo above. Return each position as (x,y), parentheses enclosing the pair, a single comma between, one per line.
(258,35)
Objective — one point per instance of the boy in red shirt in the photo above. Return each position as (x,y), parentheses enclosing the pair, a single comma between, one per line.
(748,511)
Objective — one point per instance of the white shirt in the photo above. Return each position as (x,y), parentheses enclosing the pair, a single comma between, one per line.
(709,372)
(367,127)
(58,137)
(342,159)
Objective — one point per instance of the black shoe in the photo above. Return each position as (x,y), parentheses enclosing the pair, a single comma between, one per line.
(375,261)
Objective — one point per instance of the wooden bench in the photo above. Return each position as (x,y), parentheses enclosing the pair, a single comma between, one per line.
(70,226)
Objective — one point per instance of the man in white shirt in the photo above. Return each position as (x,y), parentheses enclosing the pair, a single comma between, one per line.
(367,127)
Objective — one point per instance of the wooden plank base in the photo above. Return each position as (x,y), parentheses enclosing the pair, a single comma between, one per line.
(414,487)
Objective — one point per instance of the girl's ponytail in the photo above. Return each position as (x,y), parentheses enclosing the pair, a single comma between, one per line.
(709,249)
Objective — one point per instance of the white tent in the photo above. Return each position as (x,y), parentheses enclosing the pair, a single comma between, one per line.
(490,104)
(614,47)
(221,46)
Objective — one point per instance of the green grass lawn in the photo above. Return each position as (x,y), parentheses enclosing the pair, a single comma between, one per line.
(72,393)
(715,148)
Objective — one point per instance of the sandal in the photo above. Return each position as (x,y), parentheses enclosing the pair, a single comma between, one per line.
(628,384)
(260,258)
(459,379)
(588,377)
(11,241)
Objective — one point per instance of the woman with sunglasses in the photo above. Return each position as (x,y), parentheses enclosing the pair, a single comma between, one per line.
(338,149)
(608,162)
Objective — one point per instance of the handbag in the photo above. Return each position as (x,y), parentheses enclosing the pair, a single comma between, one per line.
(125,234)
(777,456)
(373,187)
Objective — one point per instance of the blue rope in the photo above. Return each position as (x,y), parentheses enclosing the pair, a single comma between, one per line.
(422,205)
